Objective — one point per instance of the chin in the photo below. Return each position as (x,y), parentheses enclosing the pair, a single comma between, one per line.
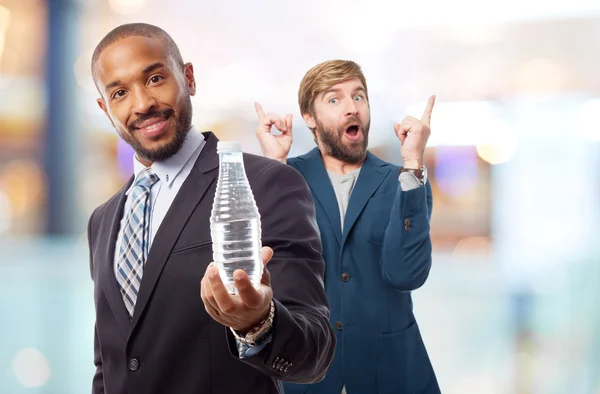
(162,148)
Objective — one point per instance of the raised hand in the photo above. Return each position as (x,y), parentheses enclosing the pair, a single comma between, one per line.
(275,147)
(413,134)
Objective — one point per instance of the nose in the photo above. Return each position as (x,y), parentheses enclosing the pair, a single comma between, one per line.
(143,101)
(351,108)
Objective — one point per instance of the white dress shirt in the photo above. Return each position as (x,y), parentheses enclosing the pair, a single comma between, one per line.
(171,174)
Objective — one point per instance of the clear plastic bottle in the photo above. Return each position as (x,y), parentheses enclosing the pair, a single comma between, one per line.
(235,220)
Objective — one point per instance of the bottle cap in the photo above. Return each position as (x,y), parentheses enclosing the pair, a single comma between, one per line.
(229,146)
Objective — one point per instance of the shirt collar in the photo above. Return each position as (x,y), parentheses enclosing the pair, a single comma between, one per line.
(168,169)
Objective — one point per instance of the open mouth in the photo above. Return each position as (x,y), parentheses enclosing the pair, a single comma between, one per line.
(353,132)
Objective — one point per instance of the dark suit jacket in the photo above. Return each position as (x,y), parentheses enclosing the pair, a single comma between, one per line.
(172,346)
(382,254)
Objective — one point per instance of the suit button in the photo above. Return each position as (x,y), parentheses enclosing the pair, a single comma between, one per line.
(338,325)
(134,364)
(407,222)
(345,277)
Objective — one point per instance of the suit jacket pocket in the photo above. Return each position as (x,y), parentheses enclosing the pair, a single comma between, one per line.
(191,248)
(189,263)
(403,366)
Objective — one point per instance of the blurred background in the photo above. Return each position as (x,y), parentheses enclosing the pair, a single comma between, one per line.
(512,304)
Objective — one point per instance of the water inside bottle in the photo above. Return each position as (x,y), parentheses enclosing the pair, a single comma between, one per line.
(235,223)
(236,245)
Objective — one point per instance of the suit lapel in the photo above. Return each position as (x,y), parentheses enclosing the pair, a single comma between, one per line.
(110,230)
(312,167)
(372,174)
(189,196)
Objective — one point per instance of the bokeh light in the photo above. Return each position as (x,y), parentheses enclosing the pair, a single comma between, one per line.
(31,368)
(456,170)
(126,7)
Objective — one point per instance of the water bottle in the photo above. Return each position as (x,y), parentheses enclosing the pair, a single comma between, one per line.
(235,220)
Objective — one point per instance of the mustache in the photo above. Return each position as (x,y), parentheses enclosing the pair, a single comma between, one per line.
(163,114)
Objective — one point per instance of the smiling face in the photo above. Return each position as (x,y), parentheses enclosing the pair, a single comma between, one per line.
(341,121)
(146,95)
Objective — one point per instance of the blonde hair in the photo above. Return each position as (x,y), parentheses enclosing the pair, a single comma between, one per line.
(322,77)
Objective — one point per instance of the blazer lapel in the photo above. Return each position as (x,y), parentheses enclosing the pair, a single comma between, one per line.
(110,230)
(189,196)
(312,167)
(371,176)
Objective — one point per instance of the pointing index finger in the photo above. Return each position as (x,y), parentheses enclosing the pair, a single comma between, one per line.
(428,110)
(259,110)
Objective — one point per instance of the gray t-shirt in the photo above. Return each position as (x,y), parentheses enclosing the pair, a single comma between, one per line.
(343,186)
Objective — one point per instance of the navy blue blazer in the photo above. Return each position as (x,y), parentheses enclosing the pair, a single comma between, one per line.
(382,254)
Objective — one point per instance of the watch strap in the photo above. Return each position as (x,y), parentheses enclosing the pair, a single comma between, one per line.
(258,331)
(419,173)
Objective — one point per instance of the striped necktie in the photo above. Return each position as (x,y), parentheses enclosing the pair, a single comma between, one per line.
(136,237)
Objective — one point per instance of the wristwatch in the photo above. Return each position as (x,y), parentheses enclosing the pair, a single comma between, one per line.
(258,331)
(420,174)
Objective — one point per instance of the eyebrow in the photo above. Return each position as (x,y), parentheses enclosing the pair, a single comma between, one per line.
(331,90)
(337,90)
(150,68)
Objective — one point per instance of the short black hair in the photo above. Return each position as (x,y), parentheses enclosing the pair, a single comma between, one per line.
(136,29)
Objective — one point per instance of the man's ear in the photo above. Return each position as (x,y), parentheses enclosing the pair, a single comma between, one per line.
(309,120)
(190,79)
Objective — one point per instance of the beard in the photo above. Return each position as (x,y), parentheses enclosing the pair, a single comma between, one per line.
(351,152)
(183,124)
